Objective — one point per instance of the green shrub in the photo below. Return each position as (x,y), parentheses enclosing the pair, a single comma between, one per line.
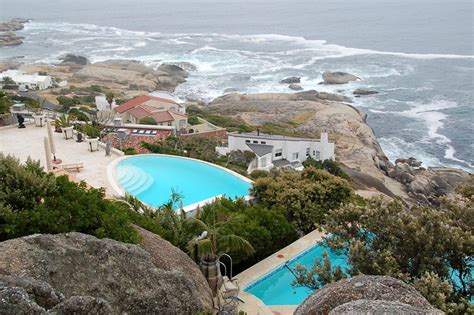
(328,165)
(130,151)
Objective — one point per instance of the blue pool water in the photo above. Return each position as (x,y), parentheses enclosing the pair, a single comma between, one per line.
(275,288)
(153,178)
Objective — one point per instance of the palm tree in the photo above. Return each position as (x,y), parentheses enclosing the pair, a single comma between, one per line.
(63,121)
(217,241)
(110,98)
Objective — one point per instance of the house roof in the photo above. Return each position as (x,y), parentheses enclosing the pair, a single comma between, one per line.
(264,136)
(260,149)
(139,100)
(281,163)
(162,116)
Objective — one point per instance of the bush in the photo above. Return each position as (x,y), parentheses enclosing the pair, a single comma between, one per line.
(259,174)
(148,121)
(193,120)
(32,201)
(328,165)
(130,151)
(306,196)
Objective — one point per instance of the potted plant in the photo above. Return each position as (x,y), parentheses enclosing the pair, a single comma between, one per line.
(64,122)
(212,242)
(37,109)
(92,137)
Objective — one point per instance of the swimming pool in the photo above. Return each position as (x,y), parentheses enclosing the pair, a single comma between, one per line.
(275,287)
(153,177)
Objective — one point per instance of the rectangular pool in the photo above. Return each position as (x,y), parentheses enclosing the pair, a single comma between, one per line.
(275,287)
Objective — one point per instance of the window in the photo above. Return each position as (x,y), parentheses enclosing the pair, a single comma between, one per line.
(247,141)
(295,156)
(169,123)
(318,155)
(278,153)
(182,122)
(307,151)
(263,142)
(263,161)
(255,141)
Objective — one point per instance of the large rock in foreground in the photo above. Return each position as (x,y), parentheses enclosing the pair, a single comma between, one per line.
(396,293)
(78,273)
(338,77)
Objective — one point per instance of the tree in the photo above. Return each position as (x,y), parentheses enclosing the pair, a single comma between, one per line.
(388,238)
(110,98)
(217,241)
(8,81)
(306,196)
(5,102)
(318,275)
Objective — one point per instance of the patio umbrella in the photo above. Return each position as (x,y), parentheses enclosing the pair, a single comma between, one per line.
(47,150)
(51,143)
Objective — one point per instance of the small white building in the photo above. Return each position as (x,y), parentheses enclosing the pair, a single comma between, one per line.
(29,81)
(279,151)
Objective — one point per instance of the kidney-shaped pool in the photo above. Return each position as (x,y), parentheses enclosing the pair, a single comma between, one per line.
(153,177)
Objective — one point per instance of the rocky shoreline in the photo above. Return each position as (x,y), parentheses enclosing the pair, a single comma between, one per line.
(8,36)
(304,113)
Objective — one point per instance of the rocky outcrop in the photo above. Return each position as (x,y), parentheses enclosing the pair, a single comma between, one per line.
(390,294)
(75,59)
(10,39)
(364,92)
(12,25)
(295,87)
(7,35)
(333,97)
(377,307)
(80,274)
(338,77)
(426,185)
(291,80)
(125,74)
(356,145)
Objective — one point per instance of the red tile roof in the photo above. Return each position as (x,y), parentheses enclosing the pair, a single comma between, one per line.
(162,116)
(139,100)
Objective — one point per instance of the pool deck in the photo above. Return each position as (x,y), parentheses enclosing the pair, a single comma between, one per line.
(29,142)
(255,306)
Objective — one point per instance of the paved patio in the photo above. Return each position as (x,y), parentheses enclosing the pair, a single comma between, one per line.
(29,142)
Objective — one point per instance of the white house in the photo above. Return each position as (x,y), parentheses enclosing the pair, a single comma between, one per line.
(279,151)
(29,81)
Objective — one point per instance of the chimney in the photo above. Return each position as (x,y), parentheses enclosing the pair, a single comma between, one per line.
(324,137)
(258,131)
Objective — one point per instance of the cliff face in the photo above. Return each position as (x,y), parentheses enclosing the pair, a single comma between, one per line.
(78,273)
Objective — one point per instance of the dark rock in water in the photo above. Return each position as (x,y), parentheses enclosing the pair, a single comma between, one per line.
(75,59)
(10,39)
(96,275)
(363,287)
(291,80)
(364,92)
(377,307)
(173,70)
(187,66)
(12,25)
(410,161)
(338,77)
(295,87)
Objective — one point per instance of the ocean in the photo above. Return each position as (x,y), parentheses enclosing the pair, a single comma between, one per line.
(418,54)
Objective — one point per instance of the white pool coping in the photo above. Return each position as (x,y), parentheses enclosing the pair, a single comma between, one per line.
(189,209)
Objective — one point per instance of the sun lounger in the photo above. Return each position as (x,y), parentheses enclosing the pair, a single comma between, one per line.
(70,167)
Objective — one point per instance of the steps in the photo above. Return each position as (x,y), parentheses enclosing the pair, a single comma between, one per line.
(133,180)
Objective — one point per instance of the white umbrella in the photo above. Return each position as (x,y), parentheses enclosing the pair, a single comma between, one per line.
(47,150)
(51,140)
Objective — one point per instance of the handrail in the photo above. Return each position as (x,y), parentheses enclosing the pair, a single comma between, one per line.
(230,259)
